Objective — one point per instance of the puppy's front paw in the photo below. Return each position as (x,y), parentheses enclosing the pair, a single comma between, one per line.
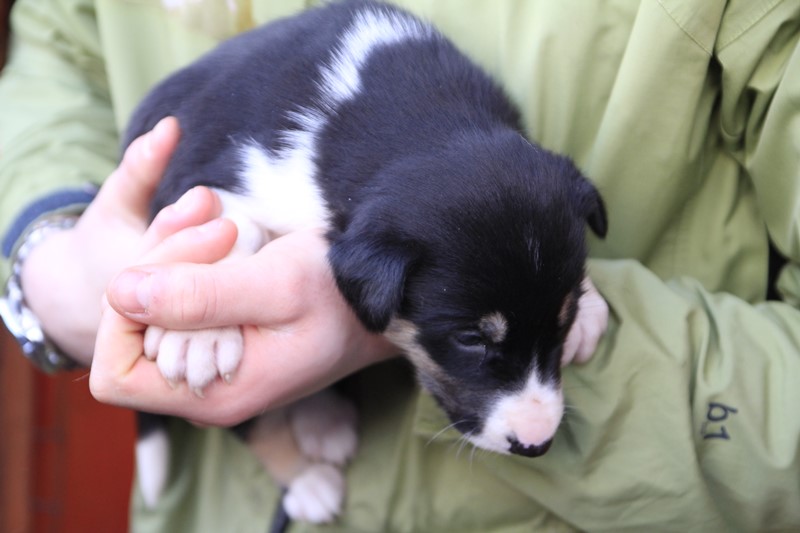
(316,495)
(196,356)
(324,426)
(590,324)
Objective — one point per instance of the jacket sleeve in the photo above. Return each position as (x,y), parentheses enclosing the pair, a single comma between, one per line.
(57,132)
(707,368)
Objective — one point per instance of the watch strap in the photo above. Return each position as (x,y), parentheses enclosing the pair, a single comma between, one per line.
(18,318)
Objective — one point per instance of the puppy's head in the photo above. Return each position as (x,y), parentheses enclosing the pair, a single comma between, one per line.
(471,261)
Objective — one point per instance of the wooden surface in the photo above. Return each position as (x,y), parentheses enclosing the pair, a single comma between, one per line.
(5,7)
(66,461)
(16,443)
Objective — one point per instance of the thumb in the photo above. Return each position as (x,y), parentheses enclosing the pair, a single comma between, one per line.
(273,287)
(134,181)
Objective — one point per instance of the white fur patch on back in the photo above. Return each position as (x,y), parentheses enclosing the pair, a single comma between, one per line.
(341,80)
(282,195)
(281,192)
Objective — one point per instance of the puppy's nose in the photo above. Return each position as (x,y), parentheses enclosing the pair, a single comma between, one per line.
(532,450)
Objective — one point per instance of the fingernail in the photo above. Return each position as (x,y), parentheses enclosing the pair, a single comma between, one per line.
(186,201)
(132,291)
(147,146)
(153,136)
(211,226)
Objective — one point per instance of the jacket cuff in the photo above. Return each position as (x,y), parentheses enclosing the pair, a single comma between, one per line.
(63,201)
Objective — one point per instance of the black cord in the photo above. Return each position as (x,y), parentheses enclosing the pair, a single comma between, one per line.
(281,520)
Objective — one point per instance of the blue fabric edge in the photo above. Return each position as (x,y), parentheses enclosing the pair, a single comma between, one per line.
(67,199)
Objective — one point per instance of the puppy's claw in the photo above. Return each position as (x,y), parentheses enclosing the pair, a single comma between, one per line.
(198,392)
(152,341)
(228,377)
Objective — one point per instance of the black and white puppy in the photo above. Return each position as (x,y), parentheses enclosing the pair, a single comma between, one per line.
(450,232)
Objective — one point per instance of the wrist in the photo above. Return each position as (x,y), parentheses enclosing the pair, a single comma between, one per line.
(21,320)
(57,296)
(372,349)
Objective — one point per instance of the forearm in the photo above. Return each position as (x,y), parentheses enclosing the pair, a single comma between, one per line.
(58,132)
(712,370)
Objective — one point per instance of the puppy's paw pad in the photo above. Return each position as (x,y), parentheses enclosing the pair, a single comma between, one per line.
(315,496)
(196,356)
(590,325)
(210,353)
(171,356)
(324,426)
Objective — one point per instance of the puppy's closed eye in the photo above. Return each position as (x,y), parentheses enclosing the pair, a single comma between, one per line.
(476,347)
(472,344)
(470,339)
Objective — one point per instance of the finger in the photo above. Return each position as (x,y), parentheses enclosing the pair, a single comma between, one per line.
(206,243)
(118,349)
(272,287)
(131,289)
(120,375)
(133,183)
(196,207)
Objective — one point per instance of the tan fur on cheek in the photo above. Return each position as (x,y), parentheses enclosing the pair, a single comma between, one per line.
(430,375)
(403,334)
(569,304)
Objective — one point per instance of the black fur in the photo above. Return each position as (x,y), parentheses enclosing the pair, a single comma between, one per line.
(440,210)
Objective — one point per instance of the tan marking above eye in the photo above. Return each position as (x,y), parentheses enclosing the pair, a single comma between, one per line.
(494,326)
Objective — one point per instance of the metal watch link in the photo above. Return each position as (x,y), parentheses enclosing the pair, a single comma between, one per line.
(18,318)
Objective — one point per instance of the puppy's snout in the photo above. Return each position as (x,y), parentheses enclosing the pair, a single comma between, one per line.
(528,450)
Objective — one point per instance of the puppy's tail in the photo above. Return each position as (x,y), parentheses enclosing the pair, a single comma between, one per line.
(152,457)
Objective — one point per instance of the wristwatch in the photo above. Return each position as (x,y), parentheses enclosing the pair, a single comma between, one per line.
(18,318)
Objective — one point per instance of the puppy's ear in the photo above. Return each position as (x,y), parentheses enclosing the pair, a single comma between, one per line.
(592,207)
(371,273)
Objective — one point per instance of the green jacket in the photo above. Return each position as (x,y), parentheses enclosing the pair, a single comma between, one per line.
(685,113)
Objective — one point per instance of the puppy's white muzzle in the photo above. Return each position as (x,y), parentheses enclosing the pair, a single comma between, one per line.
(523,422)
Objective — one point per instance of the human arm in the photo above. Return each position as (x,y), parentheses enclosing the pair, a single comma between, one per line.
(58,141)
(57,134)
(695,387)
(65,276)
(56,138)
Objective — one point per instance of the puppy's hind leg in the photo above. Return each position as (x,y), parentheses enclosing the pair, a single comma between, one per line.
(324,425)
(314,490)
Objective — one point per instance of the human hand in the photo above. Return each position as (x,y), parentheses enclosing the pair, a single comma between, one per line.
(65,276)
(299,334)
